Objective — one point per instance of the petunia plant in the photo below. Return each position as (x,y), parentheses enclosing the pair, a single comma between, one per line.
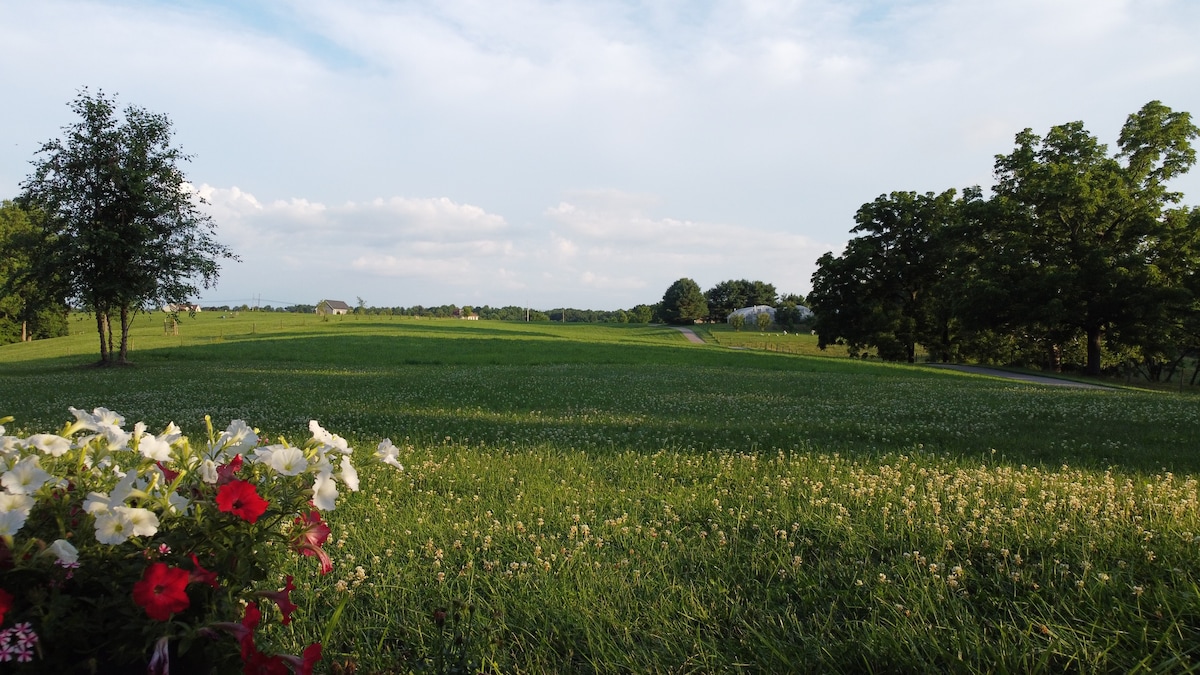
(122,549)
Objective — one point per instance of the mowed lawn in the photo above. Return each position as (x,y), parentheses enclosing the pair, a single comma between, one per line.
(612,498)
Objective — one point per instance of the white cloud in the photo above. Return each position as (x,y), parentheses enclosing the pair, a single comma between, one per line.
(714,140)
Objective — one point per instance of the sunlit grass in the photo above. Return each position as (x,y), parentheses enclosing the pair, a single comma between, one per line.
(614,498)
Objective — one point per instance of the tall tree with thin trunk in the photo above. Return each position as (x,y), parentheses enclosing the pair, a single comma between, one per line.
(126,226)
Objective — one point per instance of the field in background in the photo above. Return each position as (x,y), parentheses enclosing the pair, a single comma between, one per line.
(610,497)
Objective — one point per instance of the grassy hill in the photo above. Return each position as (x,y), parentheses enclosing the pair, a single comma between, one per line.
(612,497)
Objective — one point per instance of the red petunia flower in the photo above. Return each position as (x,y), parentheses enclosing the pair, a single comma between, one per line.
(282,598)
(199,575)
(308,538)
(241,499)
(258,663)
(6,600)
(162,591)
(168,474)
(250,619)
(225,472)
(303,664)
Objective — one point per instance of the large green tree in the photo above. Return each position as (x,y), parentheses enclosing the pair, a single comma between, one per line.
(881,291)
(1081,234)
(30,307)
(126,229)
(683,303)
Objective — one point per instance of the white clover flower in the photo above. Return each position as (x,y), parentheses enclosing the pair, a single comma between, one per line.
(387,453)
(113,528)
(25,477)
(63,551)
(143,522)
(50,444)
(324,492)
(286,460)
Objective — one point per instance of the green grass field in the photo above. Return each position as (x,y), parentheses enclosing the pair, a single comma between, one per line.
(612,498)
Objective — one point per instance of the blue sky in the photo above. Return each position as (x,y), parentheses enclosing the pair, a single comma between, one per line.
(569,152)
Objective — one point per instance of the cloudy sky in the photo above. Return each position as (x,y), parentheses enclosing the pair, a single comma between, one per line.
(584,153)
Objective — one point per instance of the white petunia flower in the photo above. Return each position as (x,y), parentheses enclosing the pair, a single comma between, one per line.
(63,551)
(51,444)
(142,521)
(97,503)
(324,492)
(238,439)
(387,453)
(287,461)
(178,503)
(171,434)
(11,522)
(319,434)
(25,477)
(84,419)
(112,528)
(12,502)
(349,475)
(154,448)
(109,423)
(208,471)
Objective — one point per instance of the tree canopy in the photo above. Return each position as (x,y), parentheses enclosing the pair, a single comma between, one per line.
(123,226)
(683,303)
(731,295)
(29,307)
(1076,251)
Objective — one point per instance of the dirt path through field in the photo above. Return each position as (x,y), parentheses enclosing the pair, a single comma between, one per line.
(979,370)
(690,335)
(1037,379)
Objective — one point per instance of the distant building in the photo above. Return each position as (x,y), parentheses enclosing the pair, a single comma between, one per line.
(750,314)
(458,314)
(178,307)
(332,307)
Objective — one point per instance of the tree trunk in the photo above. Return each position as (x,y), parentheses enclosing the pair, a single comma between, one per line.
(121,359)
(1055,363)
(1093,351)
(101,325)
(911,352)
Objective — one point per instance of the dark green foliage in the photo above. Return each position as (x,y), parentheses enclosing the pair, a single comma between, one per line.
(30,307)
(881,292)
(683,303)
(731,295)
(1076,248)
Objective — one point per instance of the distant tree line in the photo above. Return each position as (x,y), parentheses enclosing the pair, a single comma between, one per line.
(1079,258)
